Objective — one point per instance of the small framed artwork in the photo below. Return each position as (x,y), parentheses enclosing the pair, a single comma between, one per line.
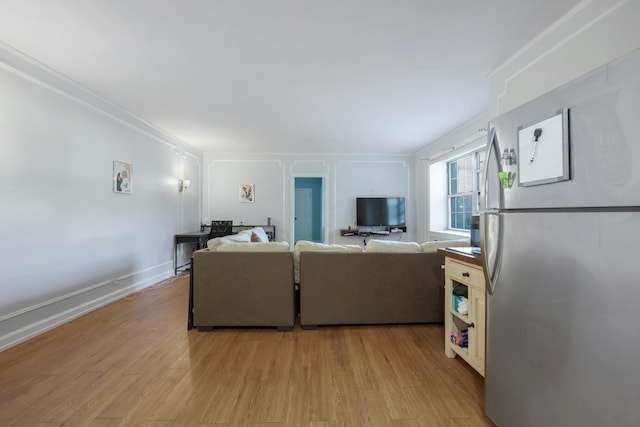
(122,177)
(247,193)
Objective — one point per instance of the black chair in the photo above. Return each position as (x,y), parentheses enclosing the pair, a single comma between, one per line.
(220,229)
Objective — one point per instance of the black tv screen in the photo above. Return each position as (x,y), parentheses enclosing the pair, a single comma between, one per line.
(377,211)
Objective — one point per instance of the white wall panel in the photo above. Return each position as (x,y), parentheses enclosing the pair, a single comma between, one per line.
(224,177)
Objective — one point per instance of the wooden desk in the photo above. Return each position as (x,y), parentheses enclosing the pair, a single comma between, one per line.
(197,237)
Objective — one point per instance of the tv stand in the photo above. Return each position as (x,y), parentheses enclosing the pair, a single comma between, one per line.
(372,231)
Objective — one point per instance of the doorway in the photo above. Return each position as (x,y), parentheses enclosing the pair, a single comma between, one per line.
(309,209)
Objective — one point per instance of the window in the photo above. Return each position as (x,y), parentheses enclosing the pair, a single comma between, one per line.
(463,176)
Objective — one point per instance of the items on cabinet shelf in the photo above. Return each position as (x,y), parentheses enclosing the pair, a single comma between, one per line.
(460,338)
(460,298)
(460,304)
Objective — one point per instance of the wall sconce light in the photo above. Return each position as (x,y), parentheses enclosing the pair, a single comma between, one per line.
(183,184)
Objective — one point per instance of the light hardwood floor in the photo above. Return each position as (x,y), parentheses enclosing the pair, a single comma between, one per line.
(134,363)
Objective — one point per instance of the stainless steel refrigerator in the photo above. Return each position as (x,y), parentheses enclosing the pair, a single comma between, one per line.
(560,238)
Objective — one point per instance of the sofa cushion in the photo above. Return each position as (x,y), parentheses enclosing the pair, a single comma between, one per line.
(241,236)
(393,246)
(304,245)
(254,247)
(431,247)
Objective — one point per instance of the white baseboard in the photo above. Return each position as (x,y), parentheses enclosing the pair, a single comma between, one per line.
(48,316)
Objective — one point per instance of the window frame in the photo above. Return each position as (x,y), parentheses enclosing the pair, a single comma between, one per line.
(478,156)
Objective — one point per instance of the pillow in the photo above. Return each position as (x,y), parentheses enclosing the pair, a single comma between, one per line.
(432,247)
(259,234)
(254,247)
(242,236)
(304,245)
(216,242)
(212,244)
(393,247)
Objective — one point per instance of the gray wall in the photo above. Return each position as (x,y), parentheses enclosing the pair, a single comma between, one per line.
(68,243)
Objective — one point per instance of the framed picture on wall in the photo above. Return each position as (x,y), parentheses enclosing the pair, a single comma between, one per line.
(247,193)
(122,177)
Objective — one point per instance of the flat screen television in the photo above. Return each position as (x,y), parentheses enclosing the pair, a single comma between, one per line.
(380,211)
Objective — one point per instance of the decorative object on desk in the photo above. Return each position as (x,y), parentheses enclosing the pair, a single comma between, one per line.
(183,184)
(247,193)
(122,177)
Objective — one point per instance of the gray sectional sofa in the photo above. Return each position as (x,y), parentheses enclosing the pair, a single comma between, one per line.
(252,284)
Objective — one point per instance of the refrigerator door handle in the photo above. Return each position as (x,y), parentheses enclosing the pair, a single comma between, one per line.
(492,147)
(491,246)
(490,219)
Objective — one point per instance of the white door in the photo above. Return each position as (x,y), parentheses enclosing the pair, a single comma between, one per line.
(303,215)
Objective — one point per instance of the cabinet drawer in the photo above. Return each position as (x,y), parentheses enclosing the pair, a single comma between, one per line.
(465,273)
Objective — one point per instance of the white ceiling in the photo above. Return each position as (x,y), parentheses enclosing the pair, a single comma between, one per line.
(286,76)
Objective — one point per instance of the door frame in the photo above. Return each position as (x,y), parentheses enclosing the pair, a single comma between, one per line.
(325,204)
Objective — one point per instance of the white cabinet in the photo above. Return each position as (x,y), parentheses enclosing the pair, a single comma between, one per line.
(466,278)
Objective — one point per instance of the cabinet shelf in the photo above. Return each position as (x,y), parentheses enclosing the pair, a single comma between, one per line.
(462,317)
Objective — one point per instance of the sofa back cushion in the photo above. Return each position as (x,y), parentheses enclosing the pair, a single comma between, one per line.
(254,247)
(304,245)
(393,246)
